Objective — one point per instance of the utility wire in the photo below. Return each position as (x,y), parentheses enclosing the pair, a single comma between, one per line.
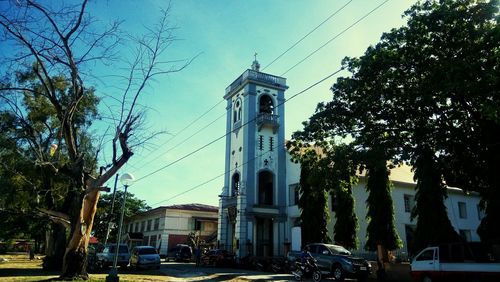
(197,119)
(308,56)
(336,36)
(185,140)
(309,33)
(229,132)
(178,133)
(214,178)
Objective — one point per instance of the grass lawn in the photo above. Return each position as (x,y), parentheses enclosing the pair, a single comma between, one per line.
(20,268)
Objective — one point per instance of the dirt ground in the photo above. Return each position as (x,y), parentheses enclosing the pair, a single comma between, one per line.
(18,267)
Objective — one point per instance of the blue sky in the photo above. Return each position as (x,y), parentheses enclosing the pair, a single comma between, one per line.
(223,36)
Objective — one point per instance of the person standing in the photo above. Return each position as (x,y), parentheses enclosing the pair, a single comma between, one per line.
(197,254)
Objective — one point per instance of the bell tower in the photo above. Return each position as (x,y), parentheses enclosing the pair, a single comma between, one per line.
(252,205)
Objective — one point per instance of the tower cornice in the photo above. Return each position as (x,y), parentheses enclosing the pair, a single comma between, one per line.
(258,78)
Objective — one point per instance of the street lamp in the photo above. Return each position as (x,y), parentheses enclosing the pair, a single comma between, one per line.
(126,179)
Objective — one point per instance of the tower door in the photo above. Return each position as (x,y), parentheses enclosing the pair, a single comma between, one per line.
(264,242)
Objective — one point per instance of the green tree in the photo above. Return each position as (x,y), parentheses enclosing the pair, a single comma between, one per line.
(104,216)
(429,88)
(62,44)
(342,179)
(381,229)
(313,199)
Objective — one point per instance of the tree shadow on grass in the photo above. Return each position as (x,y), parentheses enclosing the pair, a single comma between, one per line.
(15,272)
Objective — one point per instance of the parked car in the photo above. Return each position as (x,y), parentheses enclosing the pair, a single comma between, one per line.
(337,261)
(180,253)
(218,257)
(106,256)
(92,258)
(144,257)
(456,262)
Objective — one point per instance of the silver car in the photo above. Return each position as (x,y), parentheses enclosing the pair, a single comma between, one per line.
(145,257)
(106,256)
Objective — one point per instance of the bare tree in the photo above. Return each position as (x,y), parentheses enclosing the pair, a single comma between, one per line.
(57,40)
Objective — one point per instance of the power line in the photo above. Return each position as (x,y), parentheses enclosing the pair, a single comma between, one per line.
(214,178)
(277,58)
(336,36)
(229,132)
(308,56)
(309,33)
(182,130)
(185,140)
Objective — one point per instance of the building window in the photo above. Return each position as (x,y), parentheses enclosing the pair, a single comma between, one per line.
(198,225)
(237,111)
(143,226)
(294,194)
(149,225)
(136,227)
(465,234)
(145,241)
(409,202)
(480,212)
(271,143)
(261,142)
(152,241)
(462,210)
(157,224)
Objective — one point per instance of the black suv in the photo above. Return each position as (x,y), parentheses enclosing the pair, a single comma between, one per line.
(180,253)
(337,260)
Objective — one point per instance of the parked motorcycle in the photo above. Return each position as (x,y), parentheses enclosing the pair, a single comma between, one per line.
(307,269)
(280,265)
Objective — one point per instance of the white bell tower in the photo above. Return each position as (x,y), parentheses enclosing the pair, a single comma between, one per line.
(252,205)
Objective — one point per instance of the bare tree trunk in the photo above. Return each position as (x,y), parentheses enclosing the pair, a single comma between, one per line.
(75,257)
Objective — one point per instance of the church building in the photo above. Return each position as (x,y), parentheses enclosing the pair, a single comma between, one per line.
(258,211)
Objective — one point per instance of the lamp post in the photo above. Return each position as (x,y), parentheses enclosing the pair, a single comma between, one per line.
(126,179)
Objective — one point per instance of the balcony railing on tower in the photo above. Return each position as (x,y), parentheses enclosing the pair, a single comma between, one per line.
(266,119)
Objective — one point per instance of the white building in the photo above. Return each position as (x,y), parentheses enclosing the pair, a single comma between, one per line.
(165,227)
(258,209)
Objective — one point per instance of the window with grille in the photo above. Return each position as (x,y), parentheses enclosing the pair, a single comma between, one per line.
(462,210)
(157,224)
(409,202)
(294,194)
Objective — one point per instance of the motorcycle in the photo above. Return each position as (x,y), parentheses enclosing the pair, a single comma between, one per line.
(280,265)
(307,269)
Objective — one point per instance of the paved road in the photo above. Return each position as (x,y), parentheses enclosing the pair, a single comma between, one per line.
(189,272)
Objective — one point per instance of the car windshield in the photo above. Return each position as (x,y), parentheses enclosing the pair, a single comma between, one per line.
(338,250)
(147,251)
(123,249)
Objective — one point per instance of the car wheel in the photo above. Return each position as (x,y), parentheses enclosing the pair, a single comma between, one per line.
(427,278)
(338,273)
(316,276)
(362,278)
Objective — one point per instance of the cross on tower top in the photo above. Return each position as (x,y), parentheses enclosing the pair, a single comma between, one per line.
(255,64)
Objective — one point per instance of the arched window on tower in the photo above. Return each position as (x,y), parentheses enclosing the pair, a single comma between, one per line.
(237,111)
(236,184)
(266,188)
(266,104)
